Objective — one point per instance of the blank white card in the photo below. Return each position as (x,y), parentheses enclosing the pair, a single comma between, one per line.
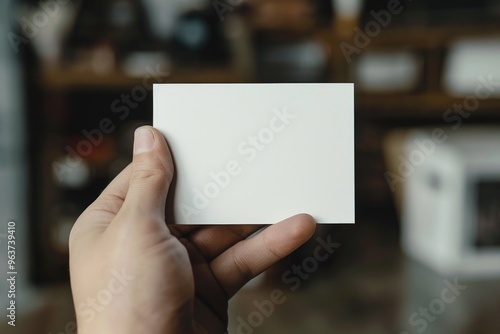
(259,153)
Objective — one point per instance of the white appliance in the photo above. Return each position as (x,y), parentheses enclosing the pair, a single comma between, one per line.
(451,201)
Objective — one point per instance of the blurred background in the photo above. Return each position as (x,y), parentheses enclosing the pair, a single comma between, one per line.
(424,254)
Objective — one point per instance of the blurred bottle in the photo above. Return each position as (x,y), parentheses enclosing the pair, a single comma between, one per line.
(199,40)
(121,25)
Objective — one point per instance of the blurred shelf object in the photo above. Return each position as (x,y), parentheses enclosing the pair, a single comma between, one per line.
(469,59)
(380,72)
(283,15)
(66,78)
(290,20)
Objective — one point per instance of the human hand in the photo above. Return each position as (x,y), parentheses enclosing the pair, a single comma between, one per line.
(133,273)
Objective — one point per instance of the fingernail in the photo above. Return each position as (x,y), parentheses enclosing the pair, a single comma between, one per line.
(143,140)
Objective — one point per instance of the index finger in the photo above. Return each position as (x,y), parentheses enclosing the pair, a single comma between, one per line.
(250,257)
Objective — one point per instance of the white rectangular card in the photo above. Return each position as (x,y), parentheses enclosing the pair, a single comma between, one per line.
(259,153)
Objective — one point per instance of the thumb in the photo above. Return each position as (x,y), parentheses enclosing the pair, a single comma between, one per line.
(151,173)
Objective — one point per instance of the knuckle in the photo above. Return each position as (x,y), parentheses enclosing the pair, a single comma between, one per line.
(270,247)
(154,174)
(242,266)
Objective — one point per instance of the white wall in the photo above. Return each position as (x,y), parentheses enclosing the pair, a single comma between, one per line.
(12,167)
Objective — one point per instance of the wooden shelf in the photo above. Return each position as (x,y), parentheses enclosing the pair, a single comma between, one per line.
(67,78)
(418,37)
(428,104)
